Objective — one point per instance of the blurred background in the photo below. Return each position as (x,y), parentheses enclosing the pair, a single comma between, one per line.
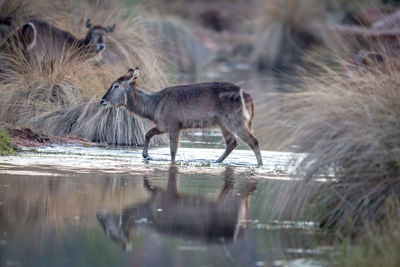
(324,75)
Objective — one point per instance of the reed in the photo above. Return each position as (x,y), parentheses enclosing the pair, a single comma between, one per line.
(347,124)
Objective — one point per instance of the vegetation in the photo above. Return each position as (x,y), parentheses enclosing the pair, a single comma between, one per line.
(376,247)
(348,124)
(6,146)
(60,96)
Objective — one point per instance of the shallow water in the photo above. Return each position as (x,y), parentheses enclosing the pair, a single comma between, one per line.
(94,206)
(91,206)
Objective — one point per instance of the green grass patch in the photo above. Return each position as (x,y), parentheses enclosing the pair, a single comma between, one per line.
(376,250)
(379,245)
(6,146)
(103,144)
(31,150)
(87,145)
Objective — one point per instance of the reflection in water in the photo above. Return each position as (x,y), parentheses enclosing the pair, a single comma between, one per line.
(185,215)
(190,218)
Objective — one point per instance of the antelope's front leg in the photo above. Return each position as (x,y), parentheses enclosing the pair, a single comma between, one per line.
(173,143)
(152,132)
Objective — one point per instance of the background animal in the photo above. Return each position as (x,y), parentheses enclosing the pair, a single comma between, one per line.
(40,39)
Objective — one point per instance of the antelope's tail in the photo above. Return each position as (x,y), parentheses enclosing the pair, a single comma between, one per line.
(250,108)
(251,121)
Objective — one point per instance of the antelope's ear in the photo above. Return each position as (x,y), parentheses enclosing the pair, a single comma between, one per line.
(110,28)
(133,73)
(89,24)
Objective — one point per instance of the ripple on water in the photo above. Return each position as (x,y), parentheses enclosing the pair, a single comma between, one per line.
(277,164)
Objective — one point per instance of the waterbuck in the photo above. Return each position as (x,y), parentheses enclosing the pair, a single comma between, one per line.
(188,216)
(202,105)
(39,39)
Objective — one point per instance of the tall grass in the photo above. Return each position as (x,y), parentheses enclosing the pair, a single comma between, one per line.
(6,146)
(348,126)
(60,96)
(15,12)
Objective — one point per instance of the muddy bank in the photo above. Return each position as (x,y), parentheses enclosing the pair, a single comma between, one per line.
(23,137)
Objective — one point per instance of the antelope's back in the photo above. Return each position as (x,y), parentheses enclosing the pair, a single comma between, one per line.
(46,37)
(199,105)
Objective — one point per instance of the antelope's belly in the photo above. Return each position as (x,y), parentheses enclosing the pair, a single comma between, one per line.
(198,123)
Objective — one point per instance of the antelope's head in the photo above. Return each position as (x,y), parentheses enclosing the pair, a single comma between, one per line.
(119,91)
(95,35)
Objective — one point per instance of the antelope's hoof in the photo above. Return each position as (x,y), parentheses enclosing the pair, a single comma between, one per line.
(147,160)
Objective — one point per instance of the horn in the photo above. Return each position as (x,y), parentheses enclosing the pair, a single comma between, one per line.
(110,28)
(89,24)
(134,73)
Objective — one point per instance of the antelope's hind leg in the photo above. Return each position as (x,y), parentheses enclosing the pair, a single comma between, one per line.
(152,132)
(252,142)
(230,141)
(244,133)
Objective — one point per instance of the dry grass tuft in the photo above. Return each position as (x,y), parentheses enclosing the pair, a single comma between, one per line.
(349,126)
(60,95)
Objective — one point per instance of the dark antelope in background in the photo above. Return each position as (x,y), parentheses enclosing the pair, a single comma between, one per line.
(202,105)
(39,39)
(189,216)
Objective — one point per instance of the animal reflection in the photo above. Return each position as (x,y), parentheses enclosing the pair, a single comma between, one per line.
(189,216)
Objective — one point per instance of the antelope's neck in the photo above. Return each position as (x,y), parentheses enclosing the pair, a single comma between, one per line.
(86,40)
(85,46)
(143,103)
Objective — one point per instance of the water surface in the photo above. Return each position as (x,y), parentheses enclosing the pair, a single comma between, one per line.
(94,206)
(80,206)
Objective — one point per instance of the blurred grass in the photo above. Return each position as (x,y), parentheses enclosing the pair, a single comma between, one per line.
(347,123)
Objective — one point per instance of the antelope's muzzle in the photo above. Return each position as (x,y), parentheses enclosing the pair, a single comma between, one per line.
(105,103)
(101,47)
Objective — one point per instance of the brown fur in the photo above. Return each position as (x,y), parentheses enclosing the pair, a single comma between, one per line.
(250,106)
(203,105)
